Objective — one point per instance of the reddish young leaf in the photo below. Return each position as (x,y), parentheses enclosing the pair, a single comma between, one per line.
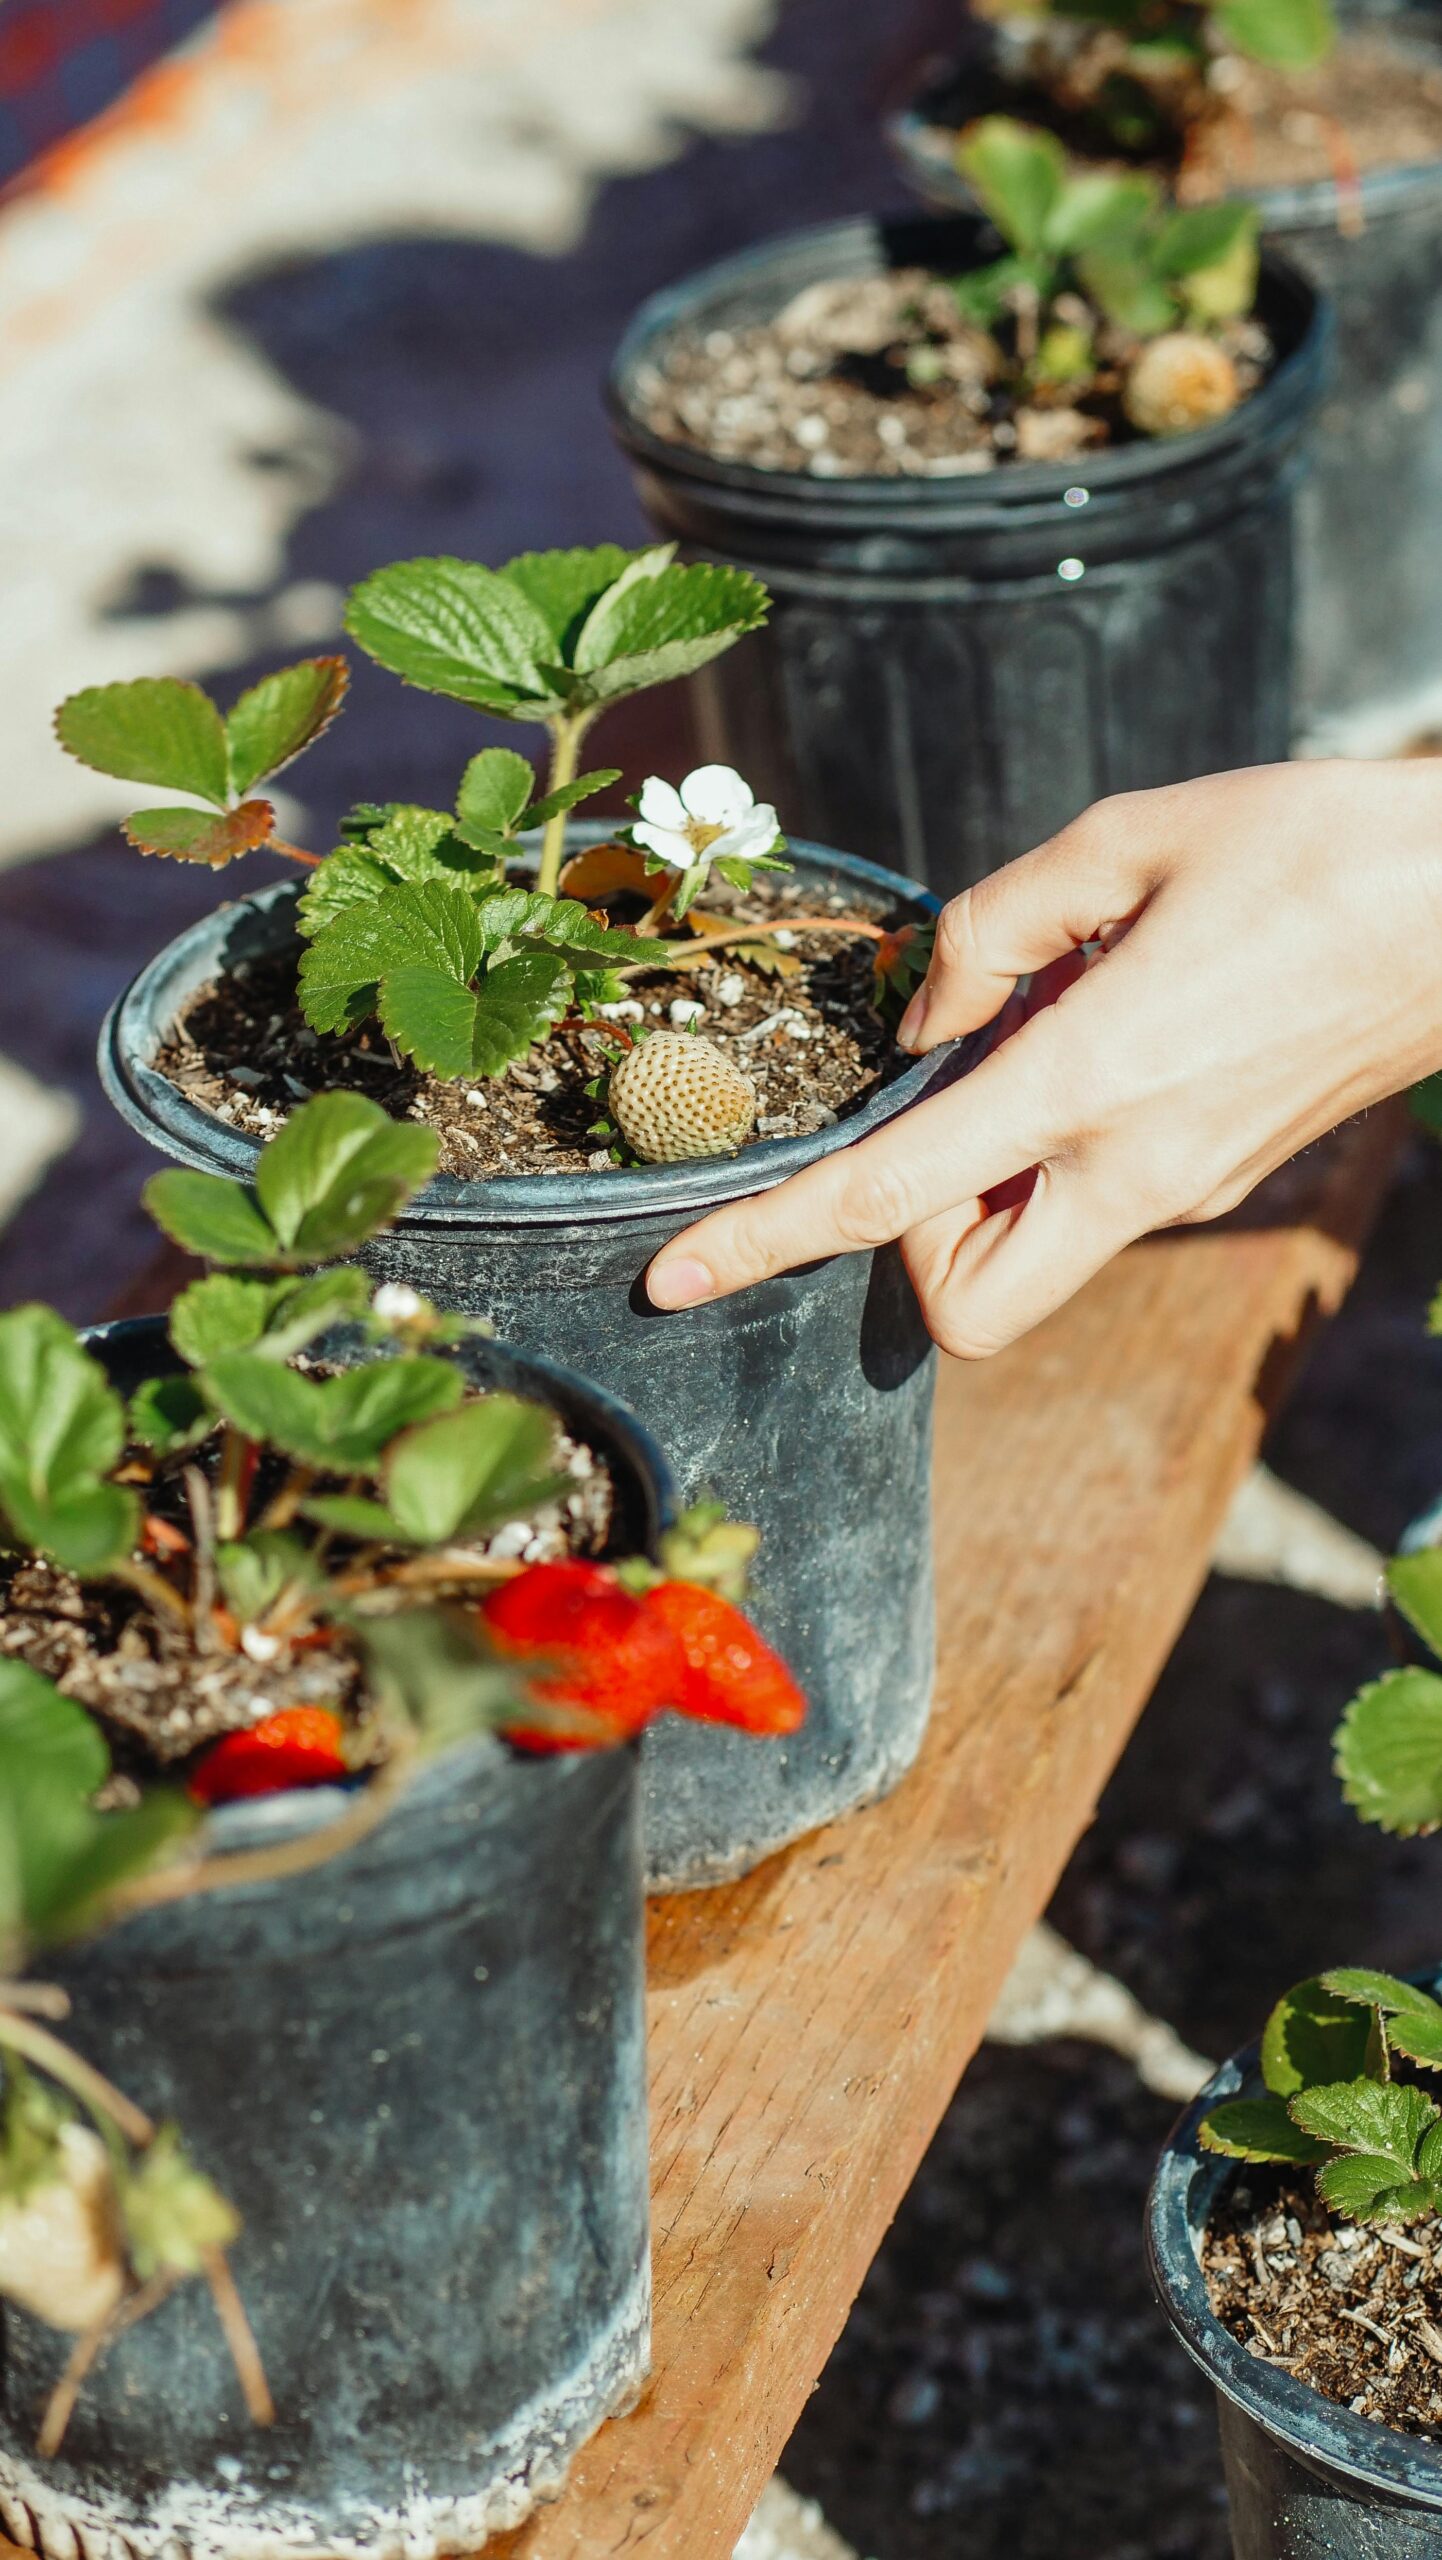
(193,835)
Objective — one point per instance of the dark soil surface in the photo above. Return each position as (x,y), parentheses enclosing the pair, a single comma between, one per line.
(829,387)
(799,1021)
(162,1690)
(1356,2314)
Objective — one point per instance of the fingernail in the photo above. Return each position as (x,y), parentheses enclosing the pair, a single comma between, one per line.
(680,1284)
(909,1028)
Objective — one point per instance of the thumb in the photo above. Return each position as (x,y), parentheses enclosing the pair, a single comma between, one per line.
(1081,886)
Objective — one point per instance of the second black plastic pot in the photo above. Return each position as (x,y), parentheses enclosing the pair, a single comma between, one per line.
(1370,512)
(805,1403)
(1306,2478)
(418,2071)
(953,668)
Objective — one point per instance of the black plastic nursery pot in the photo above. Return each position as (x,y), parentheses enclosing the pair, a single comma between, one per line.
(804,1403)
(1306,2478)
(418,2072)
(954,668)
(1369,638)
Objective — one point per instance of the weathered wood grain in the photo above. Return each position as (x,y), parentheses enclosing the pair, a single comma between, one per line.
(809,2025)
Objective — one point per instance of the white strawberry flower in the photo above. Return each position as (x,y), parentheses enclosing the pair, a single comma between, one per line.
(715,816)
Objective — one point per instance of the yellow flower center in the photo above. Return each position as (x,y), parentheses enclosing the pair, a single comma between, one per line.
(701,835)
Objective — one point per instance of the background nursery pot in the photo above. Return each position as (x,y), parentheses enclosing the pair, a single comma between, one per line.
(1305,2477)
(805,1404)
(1369,514)
(953,668)
(418,2071)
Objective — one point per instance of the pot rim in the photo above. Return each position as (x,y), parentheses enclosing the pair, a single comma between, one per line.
(989,496)
(290,1813)
(1305,205)
(1317,2430)
(196,1137)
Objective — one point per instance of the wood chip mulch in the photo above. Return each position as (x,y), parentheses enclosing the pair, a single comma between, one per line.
(1356,2314)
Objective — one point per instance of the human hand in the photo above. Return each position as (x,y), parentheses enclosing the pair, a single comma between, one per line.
(1271,963)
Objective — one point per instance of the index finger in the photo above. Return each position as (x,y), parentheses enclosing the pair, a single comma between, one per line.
(1007,1115)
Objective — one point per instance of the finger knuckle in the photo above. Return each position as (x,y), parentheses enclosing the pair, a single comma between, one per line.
(875,1203)
(956,942)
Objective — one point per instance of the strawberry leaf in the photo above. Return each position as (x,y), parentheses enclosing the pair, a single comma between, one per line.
(58,1858)
(563,586)
(1293,34)
(1379,2119)
(343,1422)
(338,1171)
(348,877)
(1389,1752)
(1259,2129)
(564,926)
(1366,2188)
(584,787)
(172,2214)
(211,1216)
(429,926)
(459,629)
(62,1427)
(190,835)
(451,1030)
(169,1415)
(222,1313)
(654,624)
(1415,1583)
(155,729)
(1315,2034)
(280,716)
(1385,1991)
(491,1461)
(254,1571)
(495,791)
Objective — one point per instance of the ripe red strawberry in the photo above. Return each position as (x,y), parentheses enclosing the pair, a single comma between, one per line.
(604,1652)
(732,1675)
(296,1747)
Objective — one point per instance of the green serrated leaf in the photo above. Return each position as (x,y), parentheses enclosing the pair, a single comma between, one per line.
(564,927)
(564,585)
(1379,1991)
(1313,2035)
(343,1422)
(555,803)
(1292,34)
(62,1427)
(1389,1752)
(430,926)
(155,729)
(347,878)
(454,627)
(340,1169)
(1415,1583)
(211,1216)
(254,1571)
(648,629)
(58,1858)
(169,1415)
(279,717)
(221,1313)
(1200,236)
(1420,2038)
(452,1030)
(492,1460)
(495,792)
(352,1516)
(1377,2118)
(1098,206)
(1258,2129)
(1118,278)
(1365,2188)
(1017,173)
(193,835)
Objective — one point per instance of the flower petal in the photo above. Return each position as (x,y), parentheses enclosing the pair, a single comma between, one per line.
(754,833)
(661,803)
(716,794)
(665,843)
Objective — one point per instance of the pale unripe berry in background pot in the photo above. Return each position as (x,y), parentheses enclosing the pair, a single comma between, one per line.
(60,2241)
(676,1096)
(1179,382)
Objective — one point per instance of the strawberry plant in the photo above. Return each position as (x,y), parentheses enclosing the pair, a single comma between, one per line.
(1142,73)
(1101,274)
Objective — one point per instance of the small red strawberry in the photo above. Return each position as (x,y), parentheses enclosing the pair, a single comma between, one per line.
(732,1675)
(604,1652)
(296,1747)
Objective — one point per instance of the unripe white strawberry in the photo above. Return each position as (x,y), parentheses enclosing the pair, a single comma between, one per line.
(675,1096)
(60,2252)
(1180,381)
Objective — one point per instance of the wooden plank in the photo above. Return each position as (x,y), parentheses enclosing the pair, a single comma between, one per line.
(808,2026)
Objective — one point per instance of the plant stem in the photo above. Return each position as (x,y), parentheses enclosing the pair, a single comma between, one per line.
(239,2337)
(660,907)
(279,1513)
(295,853)
(86,2352)
(232,1491)
(153,1588)
(37,2045)
(40,1999)
(692,953)
(567,731)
